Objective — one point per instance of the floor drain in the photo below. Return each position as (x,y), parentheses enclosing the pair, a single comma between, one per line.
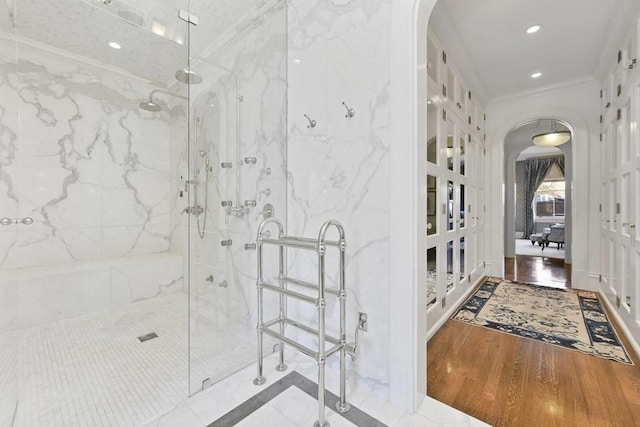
(148,337)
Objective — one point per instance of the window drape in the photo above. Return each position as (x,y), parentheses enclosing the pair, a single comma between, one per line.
(535,170)
(560,163)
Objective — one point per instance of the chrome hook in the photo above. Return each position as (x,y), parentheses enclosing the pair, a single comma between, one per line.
(312,123)
(350,111)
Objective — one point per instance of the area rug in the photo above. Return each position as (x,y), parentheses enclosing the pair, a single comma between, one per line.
(572,319)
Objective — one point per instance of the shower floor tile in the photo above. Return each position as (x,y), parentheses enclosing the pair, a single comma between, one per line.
(93,370)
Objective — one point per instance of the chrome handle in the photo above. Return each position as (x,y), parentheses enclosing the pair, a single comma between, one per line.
(267,211)
(249,246)
(226,203)
(266,171)
(226,165)
(266,192)
(227,242)
(250,160)
(250,203)
(209,278)
(8,221)
(223,284)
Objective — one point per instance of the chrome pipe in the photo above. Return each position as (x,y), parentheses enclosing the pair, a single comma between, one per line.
(311,331)
(321,335)
(283,301)
(259,379)
(309,285)
(302,349)
(287,292)
(342,405)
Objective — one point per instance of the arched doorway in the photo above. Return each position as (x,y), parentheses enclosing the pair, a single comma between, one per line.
(408,104)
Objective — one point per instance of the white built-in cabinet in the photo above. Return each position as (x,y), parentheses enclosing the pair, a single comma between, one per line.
(454,176)
(620,183)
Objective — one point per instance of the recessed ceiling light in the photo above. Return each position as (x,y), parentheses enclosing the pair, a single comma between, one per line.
(535,75)
(297,60)
(532,29)
(114,45)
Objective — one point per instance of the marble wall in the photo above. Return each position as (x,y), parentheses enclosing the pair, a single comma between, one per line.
(339,52)
(79,157)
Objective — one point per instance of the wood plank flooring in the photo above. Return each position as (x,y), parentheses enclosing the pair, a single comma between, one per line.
(548,271)
(505,380)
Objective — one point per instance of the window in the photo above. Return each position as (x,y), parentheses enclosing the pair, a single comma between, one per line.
(549,200)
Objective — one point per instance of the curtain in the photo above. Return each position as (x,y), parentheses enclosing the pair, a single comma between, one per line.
(560,163)
(536,171)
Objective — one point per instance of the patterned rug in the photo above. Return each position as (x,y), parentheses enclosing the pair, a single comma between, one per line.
(572,319)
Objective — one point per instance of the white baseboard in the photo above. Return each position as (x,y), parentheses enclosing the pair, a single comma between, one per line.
(449,312)
(623,326)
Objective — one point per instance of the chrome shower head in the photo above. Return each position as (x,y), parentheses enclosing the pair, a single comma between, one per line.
(150,105)
(188,77)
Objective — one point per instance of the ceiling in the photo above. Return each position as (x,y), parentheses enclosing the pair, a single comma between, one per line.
(492,39)
(152,37)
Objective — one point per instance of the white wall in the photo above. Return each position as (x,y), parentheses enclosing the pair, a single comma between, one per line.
(577,103)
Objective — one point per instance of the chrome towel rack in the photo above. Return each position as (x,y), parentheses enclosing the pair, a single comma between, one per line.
(288,287)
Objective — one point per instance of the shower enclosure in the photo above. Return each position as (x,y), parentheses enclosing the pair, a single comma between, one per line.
(138,151)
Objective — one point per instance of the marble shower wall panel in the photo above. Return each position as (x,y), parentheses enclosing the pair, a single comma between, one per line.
(338,52)
(258,58)
(8,145)
(83,161)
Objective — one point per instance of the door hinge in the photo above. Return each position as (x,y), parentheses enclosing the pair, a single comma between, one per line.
(188,17)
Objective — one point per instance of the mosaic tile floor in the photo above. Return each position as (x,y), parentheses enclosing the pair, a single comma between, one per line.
(93,370)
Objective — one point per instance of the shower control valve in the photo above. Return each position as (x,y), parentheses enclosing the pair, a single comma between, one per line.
(226,165)
(250,203)
(226,203)
(250,160)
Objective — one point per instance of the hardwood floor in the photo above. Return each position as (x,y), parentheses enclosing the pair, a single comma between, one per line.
(548,271)
(506,380)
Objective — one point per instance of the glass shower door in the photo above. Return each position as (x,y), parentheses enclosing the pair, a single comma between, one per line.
(236,169)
